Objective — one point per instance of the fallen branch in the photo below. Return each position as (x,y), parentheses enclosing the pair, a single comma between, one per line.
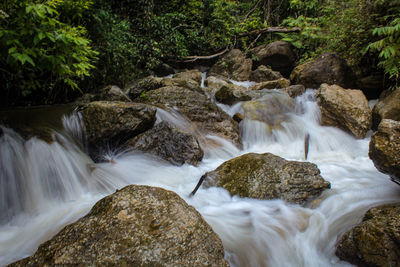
(194,58)
(269,30)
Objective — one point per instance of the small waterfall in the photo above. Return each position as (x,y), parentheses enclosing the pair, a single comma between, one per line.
(44,186)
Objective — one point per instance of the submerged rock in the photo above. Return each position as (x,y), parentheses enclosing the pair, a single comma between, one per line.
(264,74)
(276,84)
(375,241)
(111,123)
(387,108)
(205,115)
(326,68)
(266,176)
(170,143)
(279,55)
(272,108)
(384,148)
(136,226)
(234,65)
(344,108)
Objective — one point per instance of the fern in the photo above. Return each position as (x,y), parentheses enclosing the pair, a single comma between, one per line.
(388,48)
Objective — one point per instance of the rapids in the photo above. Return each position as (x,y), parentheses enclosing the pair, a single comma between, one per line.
(44,186)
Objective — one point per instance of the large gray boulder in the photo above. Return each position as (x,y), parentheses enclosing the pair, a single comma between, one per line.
(111,123)
(234,65)
(169,143)
(198,108)
(375,241)
(384,148)
(344,108)
(194,75)
(278,55)
(266,176)
(135,226)
(387,108)
(326,68)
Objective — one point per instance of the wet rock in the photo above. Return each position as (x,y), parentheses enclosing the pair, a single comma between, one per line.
(279,55)
(234,65)
(194,75)
(163,70)
(111,123)
(344,108)
(375,241)
(295,90)
(371,85)
(387,108)
(137,88)
(231,94)
(326,68)
(277,84)
(266,176)
(384,148)
(238,117)
(272,108)
(169,143)
(197,107)
(264,74)
(136,226)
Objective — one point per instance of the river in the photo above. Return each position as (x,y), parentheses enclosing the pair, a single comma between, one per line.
(44,186)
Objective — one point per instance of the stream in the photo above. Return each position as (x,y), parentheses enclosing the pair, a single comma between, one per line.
(45,186)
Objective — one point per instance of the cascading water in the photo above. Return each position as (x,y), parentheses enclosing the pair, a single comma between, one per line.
(45,186)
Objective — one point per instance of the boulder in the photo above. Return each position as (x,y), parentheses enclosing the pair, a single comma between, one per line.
(387,108)
(230,94)
(277,84)
(136,88)
(326,68)
(264,74)
(344,108)
(384,148)
(266,176)
(169,143)
(371,85)
(375,241)
(135,226)
(234,65)
(295,90)
(194,75)
(198,108)
(278,55)
(112,123)
(163,70)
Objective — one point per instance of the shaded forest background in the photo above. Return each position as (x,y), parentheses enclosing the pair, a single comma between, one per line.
(52,51)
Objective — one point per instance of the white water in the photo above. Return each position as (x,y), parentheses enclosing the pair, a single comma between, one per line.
(46,186)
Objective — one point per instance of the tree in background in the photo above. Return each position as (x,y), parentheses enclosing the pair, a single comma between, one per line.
(43,54)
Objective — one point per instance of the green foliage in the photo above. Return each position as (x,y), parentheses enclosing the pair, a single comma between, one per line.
(388,47)
(38,51)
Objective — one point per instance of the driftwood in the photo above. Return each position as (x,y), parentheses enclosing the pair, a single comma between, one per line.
(198,185)
(269,30)
(306,145)
(194,58)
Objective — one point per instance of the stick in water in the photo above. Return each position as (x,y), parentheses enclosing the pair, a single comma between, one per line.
(198,185)
(306,144)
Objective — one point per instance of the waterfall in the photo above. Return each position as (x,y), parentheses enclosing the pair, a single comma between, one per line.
(44,186)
